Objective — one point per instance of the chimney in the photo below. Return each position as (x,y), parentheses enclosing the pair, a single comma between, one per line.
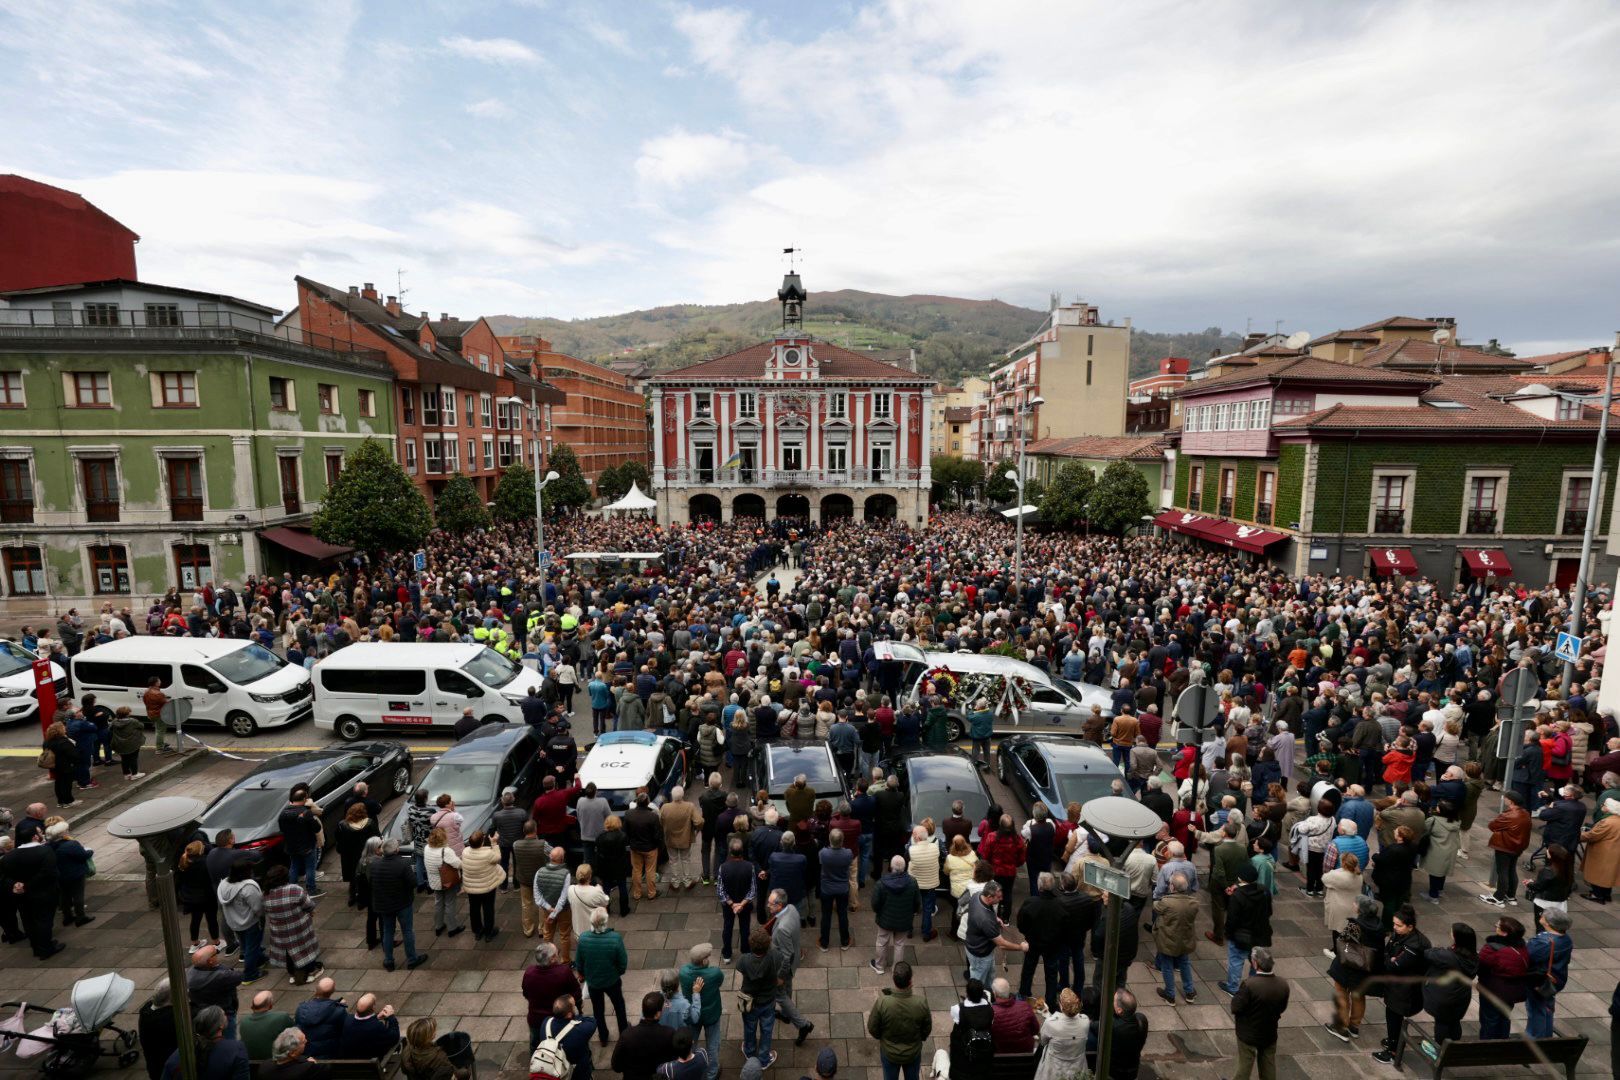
(393,306)
(369,291)
(444,316)
(424,316)
(354,290)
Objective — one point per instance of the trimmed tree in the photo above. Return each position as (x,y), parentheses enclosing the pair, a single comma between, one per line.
(997,488)
(373,505)
(458,509)
(570,490)
(610,485)
(1122,498)
(634,472)
(1066,501)
(514,494)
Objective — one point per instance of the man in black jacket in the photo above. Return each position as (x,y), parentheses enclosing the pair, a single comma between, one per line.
(300,825)
(29,874)
(1248,923)
(393,888)
(1041,921)
(647,1045)
(1130,1035)
(644,829)
(1256,1009)
(890,824)
(1564,817)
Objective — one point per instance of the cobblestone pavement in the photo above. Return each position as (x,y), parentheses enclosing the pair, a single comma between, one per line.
(475,987)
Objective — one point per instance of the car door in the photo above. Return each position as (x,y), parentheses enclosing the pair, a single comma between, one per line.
(453,692)
(1047,703)
(1040,775)
(337,778)
(206,690)
(666,771)
(525,768)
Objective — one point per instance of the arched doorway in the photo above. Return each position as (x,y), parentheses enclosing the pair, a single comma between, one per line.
(704,508)
(793,506)
(881,506)
(748,506)
(834,507)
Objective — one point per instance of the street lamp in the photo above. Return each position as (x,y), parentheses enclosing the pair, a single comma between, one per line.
(1119,824)
(1018,477)
(539,486)
(162,827)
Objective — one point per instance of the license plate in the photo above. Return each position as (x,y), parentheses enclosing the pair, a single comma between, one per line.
(395,718)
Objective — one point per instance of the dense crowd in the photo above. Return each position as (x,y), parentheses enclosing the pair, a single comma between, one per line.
(1357,737)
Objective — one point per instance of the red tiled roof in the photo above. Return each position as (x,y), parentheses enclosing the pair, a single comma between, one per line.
(1105,447)
(1401,322)
(958,414)
(1544,359)
(1307,369)
(1343,335)
(835,363)
(1426,355)
(1479,412)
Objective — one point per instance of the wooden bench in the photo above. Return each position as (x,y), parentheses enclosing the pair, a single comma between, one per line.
(1564,1050)
(351,1068)
(1015,1066)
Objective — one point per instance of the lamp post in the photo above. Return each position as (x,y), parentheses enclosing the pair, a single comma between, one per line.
(1577,597)
(162,827)
(1027,409)
(539,486)
(1119,823)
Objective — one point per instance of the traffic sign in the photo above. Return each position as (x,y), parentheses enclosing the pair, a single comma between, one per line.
(421,561)
(1111,881)
(1519,687)
(1195,712)
(1568,648)
(545,558)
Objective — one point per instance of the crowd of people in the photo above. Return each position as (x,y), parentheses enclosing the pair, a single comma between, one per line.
(1356,746)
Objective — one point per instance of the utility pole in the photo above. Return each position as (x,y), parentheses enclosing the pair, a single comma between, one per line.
(1577,597)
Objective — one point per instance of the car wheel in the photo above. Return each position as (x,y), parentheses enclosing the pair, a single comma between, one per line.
(953,729)
(493,718)
(402,779)
(242,725)
(350,729)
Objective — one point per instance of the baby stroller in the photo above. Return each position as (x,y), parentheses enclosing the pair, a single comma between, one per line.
(71,1039)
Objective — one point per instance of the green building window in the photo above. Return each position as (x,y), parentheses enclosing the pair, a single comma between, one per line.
(16,492)
(193,565)
(25,571)
(185,489)
(109,568)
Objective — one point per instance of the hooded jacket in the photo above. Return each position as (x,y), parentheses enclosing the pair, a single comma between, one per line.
(1504,964)
(1445,997)
(895,901)
(241,903)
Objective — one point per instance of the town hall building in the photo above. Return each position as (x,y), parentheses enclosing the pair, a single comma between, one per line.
(792,427)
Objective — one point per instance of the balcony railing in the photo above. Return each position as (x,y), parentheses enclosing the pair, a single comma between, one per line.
(1389,521)
(1481,520)
(790,477)
(17,511)
(1574,521)
(185,508)
(101,510)
(1262,513)
(290,502)
(131,328)
(1194,501)
(1225,506)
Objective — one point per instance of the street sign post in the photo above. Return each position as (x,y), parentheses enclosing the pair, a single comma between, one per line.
(545,559)
(1111,881)
(1519,688)
(1195,712)
(1568,648)
(420,561)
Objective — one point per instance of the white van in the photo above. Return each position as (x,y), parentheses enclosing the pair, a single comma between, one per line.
(17,700)
(1041,703)
(239,685)
(386,684)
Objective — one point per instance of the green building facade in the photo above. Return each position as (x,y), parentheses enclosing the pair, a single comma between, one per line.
(153,438)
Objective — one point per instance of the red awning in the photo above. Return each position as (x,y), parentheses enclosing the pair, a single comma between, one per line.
(1483,561)
(1190,522)
(1393,560)
(302,543)
(1233,534)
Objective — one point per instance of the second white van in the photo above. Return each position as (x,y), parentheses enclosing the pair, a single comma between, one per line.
(385,684)
(239,685)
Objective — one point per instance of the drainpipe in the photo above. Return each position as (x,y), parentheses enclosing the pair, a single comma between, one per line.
(1344,502)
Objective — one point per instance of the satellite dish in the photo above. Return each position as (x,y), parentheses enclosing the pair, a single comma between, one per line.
(1298,340)
(1441,336)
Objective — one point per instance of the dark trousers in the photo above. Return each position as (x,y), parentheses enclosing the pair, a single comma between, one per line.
(1396,1023)
(1371,774)
(1507,874)
(131,763)
(1005,907)
(829,905)
(1493,1022)
(600,995)
(1046,959)
(1313,871)
(1447,1030)
(38,915)
(481,913)
(62,781)
(624,894)
(211,913)
(10,928)
(727,918)
(506,864)
(1072,966)
(72,901)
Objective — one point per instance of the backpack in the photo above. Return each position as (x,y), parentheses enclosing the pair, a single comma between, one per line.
(977,1046)
(548,1059)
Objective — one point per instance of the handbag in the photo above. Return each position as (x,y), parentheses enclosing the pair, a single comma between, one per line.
(1351,951)
(1546,987)
(47,759)
(449,876)
(90,868)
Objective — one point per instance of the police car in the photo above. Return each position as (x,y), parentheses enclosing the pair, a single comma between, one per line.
(621,762)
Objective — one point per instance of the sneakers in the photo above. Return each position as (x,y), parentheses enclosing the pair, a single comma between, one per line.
(1230,991)
(873,964)
(1342,1034)
(1492,899)
(1384,1056)
(1167,995)
(1355,1032)
(418,962)
(1329,954)
(768,1062)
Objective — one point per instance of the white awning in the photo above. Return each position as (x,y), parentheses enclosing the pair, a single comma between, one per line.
(1018,511)
(633,500)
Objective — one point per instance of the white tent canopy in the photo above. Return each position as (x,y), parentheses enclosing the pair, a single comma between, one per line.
(633,501)
(1015,511)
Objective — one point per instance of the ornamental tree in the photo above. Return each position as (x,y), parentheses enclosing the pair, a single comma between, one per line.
(1121,499)
(1066,501)
(458,509)
(570,490)
(514,494)
(373,505)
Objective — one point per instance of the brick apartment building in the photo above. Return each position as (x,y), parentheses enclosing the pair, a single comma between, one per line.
(604,417)
(452,401)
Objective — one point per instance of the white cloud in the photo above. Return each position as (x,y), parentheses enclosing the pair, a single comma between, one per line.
(611,36)
(490,50)
(681,157)
(475,231)
(490,108)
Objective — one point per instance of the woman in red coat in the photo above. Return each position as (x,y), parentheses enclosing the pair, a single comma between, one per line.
(1398,764)
(1003,849)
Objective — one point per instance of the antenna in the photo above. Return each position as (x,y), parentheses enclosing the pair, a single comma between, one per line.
(792,254)
(1298,339)
(1276,327)
(399,286)
(1440,337)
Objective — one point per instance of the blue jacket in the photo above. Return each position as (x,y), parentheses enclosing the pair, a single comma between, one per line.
(576,1045)
(1557,947)
(835,864)
(1359,811)
(72,860)
(372,1037)
(321,1020)
(787,872)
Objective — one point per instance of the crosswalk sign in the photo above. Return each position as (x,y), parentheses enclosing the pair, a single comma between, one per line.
(1568,648)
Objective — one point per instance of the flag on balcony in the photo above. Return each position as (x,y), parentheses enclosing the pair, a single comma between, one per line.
(734,461)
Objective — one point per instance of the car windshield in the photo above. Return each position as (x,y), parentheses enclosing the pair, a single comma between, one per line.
(247,665)
(817,767)
(469,785)
(618,800)
(10,663)
(1078,787)
(937,805)
(492,669)
(247,807)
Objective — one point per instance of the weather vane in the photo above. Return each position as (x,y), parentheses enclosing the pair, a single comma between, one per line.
(792,253)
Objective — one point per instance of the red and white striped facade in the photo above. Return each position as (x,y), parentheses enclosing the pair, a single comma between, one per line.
(793,427)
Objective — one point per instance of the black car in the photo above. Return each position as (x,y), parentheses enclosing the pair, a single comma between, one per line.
(474,772)
(250,807)
(776,764)
(934,779)
(1056,770)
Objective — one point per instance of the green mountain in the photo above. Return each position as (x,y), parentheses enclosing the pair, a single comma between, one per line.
(953,337)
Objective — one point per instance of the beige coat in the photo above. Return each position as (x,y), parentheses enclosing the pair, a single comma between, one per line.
(481,870)
(1602,864)
(681,822)
(582,900)
(1339,905)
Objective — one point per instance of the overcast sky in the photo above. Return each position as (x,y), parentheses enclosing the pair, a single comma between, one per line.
(1184,164)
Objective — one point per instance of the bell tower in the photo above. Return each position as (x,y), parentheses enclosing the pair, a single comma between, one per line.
(792,296)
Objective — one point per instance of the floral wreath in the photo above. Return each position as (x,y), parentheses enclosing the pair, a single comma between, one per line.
(945,682)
